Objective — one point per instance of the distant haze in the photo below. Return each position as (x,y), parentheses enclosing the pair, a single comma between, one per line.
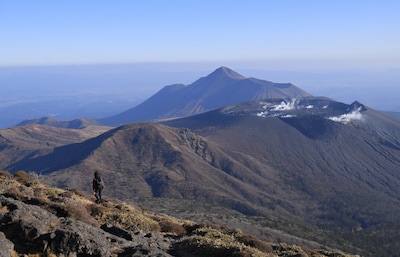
(95,91)
(112,56)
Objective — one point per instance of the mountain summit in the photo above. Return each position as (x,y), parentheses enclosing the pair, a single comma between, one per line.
(224,72)
(221,88)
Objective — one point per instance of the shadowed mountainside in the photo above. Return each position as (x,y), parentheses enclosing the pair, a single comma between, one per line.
(24,142)
(326,165)
(149,159)
(220,88)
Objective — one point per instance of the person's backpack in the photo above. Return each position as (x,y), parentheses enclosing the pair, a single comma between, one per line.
(99,183)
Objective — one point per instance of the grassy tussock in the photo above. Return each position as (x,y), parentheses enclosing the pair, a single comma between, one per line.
(22,177)
(207,241)
(5,174)
(168,225)
(127,218)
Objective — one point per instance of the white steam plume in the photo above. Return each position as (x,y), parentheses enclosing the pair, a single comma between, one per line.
(348,117)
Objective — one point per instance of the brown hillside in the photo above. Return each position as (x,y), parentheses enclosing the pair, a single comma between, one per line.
(18,143)
(328,167)
(155,160)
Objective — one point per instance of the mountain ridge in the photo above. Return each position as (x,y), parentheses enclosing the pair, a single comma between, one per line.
(220,88)
(296,159)
(50,121)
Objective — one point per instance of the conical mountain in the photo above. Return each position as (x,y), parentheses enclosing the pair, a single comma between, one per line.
(220,88)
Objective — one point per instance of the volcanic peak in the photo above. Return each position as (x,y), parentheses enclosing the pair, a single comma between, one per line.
(298,107)
(226,72)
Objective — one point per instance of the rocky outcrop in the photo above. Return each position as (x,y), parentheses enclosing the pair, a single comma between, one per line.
(39,221)
(6,246)
(35,230)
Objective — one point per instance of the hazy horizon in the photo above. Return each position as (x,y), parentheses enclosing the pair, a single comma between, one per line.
(120,53)
(375,88)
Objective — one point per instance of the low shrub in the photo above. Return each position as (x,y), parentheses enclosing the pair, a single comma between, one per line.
(123,216)
(212,242)
(169,226)
(256,243)
(5,174)
(73,211)
(23,177)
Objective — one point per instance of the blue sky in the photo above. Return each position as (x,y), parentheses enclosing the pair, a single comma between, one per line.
(291,34)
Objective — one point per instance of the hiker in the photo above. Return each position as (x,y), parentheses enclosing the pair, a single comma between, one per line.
(98,186)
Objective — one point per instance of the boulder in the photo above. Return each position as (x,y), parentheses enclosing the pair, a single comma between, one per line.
(117,231)
(35,230)
(6,246)
(76,238)
(25,223)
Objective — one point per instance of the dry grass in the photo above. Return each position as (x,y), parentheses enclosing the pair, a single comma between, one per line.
(76,204)
(79,206)
(207,241)
(170,225)
(195,239)
(123,216)
(5,174)
(255,242)
(22,177)
(73,211)
(14,254)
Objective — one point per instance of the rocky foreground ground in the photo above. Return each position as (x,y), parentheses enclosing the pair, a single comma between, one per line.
(36,220)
